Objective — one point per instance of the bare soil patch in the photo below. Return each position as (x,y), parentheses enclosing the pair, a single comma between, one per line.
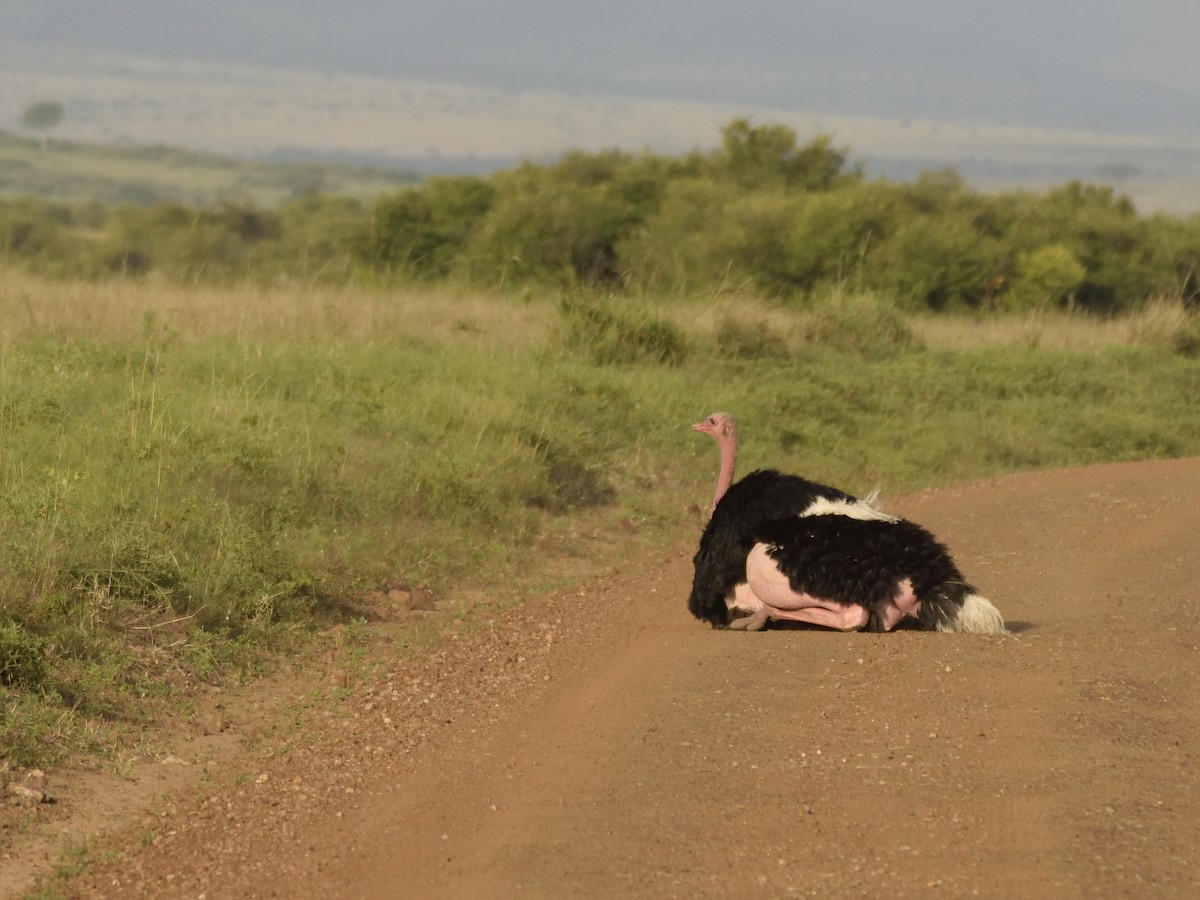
(601,743)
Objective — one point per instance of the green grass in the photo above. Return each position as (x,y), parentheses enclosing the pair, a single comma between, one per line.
(193,482)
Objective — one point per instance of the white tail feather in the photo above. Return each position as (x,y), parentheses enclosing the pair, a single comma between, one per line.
(977,616)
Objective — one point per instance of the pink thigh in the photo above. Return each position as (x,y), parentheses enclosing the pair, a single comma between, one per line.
(843,617)
(773,589)
(902,603)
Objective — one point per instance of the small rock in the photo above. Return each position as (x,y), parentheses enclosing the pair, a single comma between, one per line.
(27,794)
(422,599)
(213,721)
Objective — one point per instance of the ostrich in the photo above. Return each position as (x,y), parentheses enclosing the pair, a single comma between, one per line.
(779,547)
(762,496)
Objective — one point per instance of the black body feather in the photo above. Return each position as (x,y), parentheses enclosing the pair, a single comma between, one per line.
(859,561)
(720,564)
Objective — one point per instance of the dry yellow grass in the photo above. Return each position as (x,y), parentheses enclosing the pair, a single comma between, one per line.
(30,305)
(1051,330)
(1059,331)
(1160,322)
(121,309)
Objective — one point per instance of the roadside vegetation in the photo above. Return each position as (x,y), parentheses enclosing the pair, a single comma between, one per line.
(760,214)
(222,429)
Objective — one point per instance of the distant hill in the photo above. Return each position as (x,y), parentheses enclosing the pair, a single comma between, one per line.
(1120,66)
(360,134)
(74,172)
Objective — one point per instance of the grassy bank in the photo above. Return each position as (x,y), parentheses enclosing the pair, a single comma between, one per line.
(194,480)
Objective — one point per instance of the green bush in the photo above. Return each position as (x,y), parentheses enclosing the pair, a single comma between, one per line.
(938,262)
(22,663)
(689,242)
(834,236)
(860,324)
(768,156)
(1045,277)
(545,231)
(606,337)
(33,230)
(763,211)
(740,338)
(1105,235)
(424,231)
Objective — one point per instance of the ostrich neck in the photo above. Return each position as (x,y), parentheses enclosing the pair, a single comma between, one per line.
(725,475)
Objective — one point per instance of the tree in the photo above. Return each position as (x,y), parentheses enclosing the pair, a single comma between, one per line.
(1046,276)
(421,230)
(757,156)
(42,116)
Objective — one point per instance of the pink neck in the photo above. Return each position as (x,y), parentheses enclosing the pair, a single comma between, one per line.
(728,445)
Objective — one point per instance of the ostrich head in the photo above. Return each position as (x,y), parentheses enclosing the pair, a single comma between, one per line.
(722,428)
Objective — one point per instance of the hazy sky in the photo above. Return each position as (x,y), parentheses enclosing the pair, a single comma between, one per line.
(1111,63)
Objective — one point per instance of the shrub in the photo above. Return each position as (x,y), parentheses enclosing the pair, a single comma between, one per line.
(765,155)
(1104,233)
(422,231)
(22,663)
(1167,324)
(833,235)
(569,482)
(861,324)
(1047,276)
(938,262)
(744,339)
(32,229)
(689,242)
(608,338)
(541,230)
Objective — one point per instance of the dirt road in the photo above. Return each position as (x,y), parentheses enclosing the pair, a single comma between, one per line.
(603,744)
